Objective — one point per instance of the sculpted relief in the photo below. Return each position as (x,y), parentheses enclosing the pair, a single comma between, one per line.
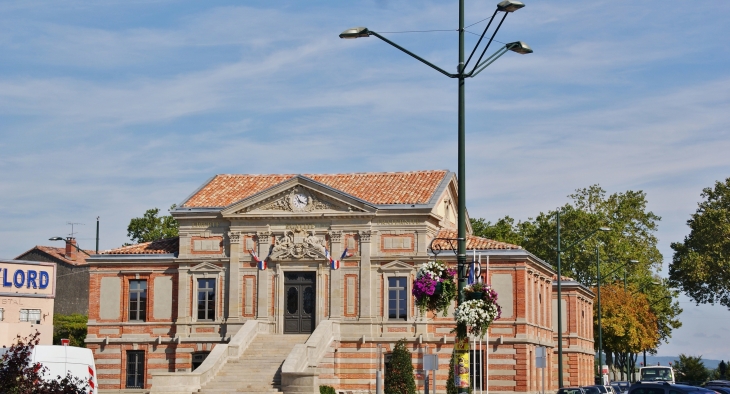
(298,244)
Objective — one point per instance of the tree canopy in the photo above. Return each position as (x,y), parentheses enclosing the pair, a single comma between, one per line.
(690,369)
(701,263)
(631,237)
(151,227)
(628,322)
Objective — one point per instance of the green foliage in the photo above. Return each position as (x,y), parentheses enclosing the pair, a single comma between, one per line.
(450,386)
(722,370)
(690,370)
(71,327)
(323,389)
(20,375)
(701,264)
(631,237)
(504,230)
(399,371)
(150,227)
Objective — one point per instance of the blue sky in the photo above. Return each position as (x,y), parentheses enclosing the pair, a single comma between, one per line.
(108,108)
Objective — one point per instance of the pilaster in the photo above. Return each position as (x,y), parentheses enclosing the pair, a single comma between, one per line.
(336,278)
(264,282)
(233,276)
(366,281)
(183,295)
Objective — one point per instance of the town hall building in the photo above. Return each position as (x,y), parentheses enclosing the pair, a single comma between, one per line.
(246,299)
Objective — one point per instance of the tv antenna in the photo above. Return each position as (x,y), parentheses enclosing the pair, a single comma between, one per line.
(72,228)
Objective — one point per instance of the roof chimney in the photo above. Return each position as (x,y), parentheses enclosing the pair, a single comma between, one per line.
(71,248)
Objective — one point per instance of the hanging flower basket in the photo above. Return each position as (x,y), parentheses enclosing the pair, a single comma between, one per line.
(478,314)
(434,287)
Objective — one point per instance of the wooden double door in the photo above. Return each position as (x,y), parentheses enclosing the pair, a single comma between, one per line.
(300,301)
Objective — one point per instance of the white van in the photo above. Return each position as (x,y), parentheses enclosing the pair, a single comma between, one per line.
(61,360)
(657,374)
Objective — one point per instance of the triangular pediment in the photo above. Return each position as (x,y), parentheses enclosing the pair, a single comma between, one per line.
(206,267)
(397,265)
(299,196)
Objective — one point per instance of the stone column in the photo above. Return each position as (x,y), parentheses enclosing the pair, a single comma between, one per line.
(366,281)
(183,292)
(264,280)
(336,285)
(233,277)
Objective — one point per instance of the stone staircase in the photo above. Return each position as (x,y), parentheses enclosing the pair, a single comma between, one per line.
(258,370)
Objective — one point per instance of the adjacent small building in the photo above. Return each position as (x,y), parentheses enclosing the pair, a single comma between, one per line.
(72,290)
(27,292)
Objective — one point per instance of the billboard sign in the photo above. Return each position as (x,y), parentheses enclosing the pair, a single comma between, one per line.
(19,278)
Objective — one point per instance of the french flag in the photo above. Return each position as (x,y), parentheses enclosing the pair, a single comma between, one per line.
(335,264)
(261,263)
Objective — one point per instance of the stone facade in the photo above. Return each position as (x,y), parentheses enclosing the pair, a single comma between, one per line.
(202,288)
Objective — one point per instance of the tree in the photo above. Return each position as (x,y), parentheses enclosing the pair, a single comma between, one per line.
(631,238)
(690,369)
(722,369)
(19,375)
(629,326)
(72,327)
(701,264)
(399,371)
(150,227)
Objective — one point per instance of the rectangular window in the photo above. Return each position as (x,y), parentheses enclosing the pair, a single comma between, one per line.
(476,369)
(135,369)
(2,314)
(137,300)
(206,299)
(397,301)
(30,315)
(198,358)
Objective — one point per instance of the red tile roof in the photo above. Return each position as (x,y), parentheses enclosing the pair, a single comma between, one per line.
(163,246)
(60,254)
(415,187)
(473,242)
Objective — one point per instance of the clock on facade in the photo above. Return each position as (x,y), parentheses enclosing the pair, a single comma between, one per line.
(299,200)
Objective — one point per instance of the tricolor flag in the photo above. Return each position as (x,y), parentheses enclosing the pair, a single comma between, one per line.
(335,264)
(261,263)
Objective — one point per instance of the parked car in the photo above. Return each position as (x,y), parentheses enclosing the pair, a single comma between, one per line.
(718,383)
(719,389)
(666,388)
(591,390)
(621,387)
(572,390)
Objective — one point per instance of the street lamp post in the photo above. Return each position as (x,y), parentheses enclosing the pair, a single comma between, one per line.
(560,294)
(506,6)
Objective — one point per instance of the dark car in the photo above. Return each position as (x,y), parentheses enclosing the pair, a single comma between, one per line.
(718,383)
(666,388)
(621,387)
(571,390)
(719,389)
(594,389)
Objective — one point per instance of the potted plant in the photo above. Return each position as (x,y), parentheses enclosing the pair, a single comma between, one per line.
(434,287)
(475,291)
(478,314)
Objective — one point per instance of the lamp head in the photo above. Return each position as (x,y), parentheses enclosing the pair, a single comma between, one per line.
(56,239)
(604,229)
(355,32)
(509,5)
(633,261)
(519,47)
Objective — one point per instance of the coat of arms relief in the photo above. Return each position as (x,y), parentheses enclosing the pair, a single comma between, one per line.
(298,244)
